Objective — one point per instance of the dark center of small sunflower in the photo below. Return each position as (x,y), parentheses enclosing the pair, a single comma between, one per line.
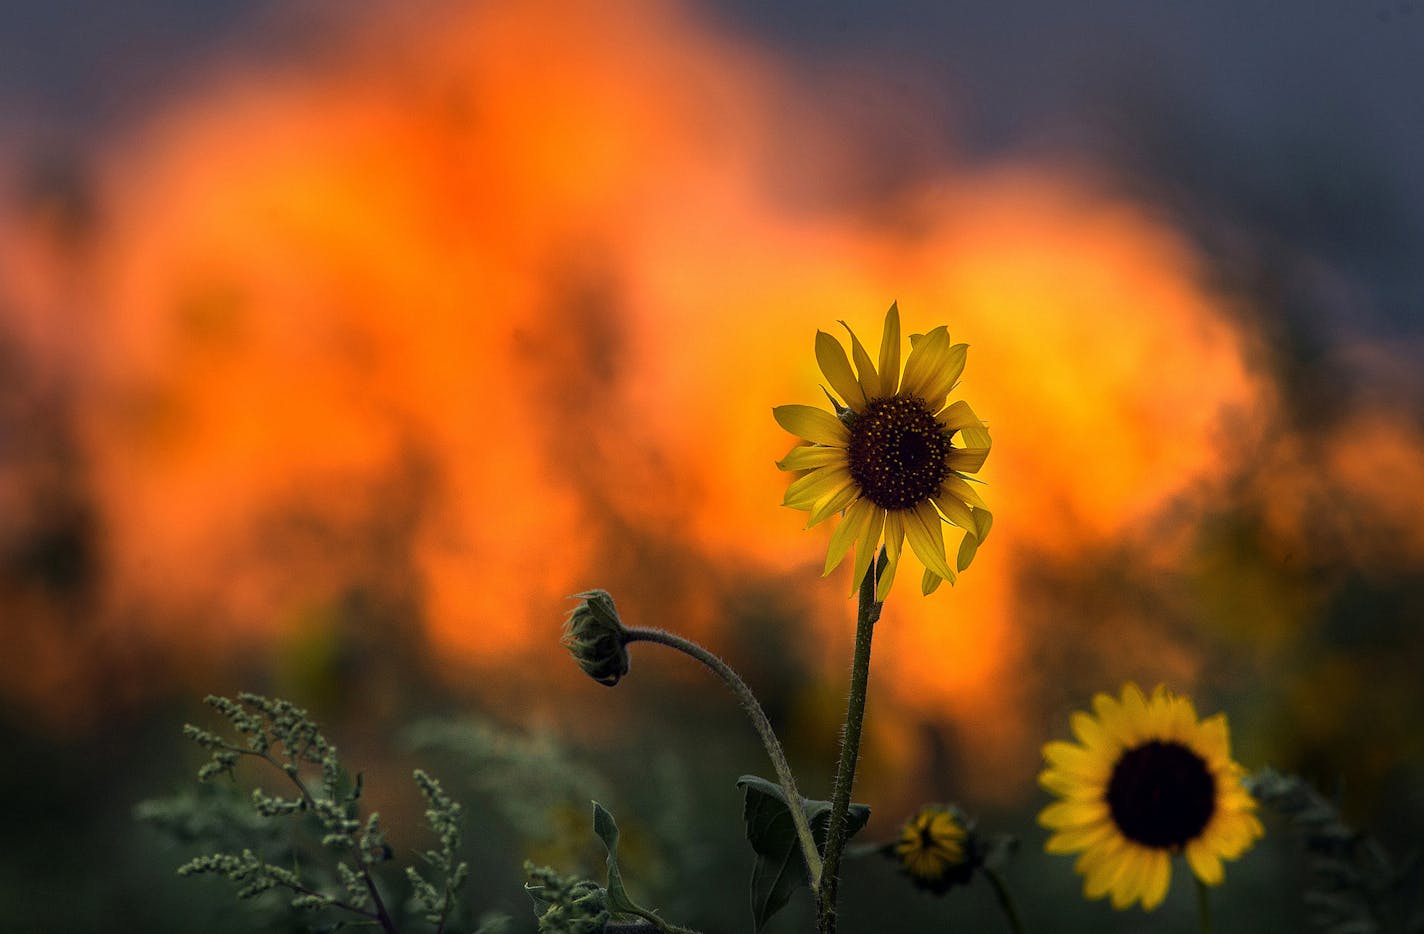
(1161,795)
(898,452)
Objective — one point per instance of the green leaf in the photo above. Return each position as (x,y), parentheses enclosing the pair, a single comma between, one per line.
(607,830)
(779,868)
(618,901)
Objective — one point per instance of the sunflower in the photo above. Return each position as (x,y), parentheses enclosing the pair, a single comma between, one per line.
(1145,781)
(894,459)
(934,849)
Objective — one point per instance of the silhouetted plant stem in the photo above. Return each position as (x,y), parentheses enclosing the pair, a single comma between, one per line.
(1001,893)
(866,617)
(763,728)
(1203,905)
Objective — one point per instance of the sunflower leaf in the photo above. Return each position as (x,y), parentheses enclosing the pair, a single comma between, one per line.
(618,900)
(779,868)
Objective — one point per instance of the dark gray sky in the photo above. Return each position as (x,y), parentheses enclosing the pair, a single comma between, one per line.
(1305,117)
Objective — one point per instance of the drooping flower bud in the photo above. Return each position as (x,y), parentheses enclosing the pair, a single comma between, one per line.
(596,638)
(935,848)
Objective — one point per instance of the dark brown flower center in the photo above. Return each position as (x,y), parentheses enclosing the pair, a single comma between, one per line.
(1161,795)
(898,452)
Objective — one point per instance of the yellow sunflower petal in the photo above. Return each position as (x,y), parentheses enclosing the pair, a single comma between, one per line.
(832,503)
(966,459)
(1183,724)
(1110,717)
(1129,882)
(969,544)
(963,491)
(959,417)
(1159,712)
(1064,814)
(1214,739)
(1095,857)
(890,352)
(805,492)
(927,354)
(834,363)
(894,541)
(1134,710)
(1158,879)
(811,456)
(956,512)
(1087,764)
(973,449)
(1069,786)
(1231,795)
(1232,834)
(944,377)
(1073,839)
(813,424)
(1090,731)
(1204,862)
(926,535)
(887,578)
(869,379)
(1103,866)
(867,546)
(846,533)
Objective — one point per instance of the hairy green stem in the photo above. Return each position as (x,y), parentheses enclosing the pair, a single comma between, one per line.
(866,617)
(1001,893)
(1203,904)
(763,728)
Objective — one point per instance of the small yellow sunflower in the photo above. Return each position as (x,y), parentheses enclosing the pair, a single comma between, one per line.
(1145,781)
(893,458)
(933,849)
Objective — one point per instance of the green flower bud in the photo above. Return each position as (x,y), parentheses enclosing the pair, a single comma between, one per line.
(935,848)
(940,848)
(596,638)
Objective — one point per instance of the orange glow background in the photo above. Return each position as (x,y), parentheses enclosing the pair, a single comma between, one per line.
(486,308)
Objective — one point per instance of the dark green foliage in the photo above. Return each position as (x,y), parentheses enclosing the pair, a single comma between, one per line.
(443,815)
(338,885)
(1355,886)
(568,905)
(779,868)
(495,762)
(565,904)
(618,899)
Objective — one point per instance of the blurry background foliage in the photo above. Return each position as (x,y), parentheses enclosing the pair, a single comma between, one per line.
(337,347)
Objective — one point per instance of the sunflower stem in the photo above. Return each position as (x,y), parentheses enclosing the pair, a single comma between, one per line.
(869,613)
(1203,904)
(763,728)
(1006,902)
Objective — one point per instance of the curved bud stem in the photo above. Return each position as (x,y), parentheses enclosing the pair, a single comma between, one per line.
(763,728)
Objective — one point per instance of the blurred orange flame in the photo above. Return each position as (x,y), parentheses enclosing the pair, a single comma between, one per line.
(520,278)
